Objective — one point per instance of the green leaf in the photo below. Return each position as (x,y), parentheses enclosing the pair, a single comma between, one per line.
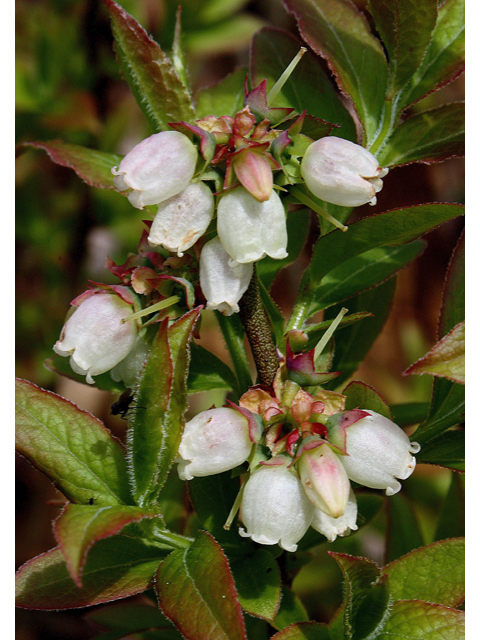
(403,531)
(228,36)
(79,527)
(444,59)
(363,272)
(447,410)
(291,610)
(435,573)
(61,365)
(446,450)
(125,619)
(116,568)
(151,76)
(423,621)
(224,98)
(429,136)
(208,372)
(196,591)
(316,331)
(451,522)
(274,315)
(453,307)
(304,631)
(298,225)
(446,359)
(257,579)
(405,27)
(71,447)
(338,32)
(233,334)
(366,595)
(94,167)
(157,424)
(405,414)
(271,52)
(361,395)
(214,10)
(353,343)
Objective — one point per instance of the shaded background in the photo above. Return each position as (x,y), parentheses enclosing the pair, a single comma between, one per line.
(68,86)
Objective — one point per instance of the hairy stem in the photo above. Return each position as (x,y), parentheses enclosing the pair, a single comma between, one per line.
(255,322)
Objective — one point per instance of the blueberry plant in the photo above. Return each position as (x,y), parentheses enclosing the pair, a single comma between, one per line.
(299,454)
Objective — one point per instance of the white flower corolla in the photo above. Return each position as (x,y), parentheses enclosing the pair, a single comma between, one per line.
(213,441)
(379,452)
(341,526)
(324,480)
(249,229)
(222,285)
(128,370)
(95,337)
(157,168)
(182,219)
(342,172)
(275,508)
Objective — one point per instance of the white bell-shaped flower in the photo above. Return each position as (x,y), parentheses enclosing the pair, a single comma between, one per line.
(222,285)
(324,480)
(341,526)
(249,229)
(213,441)
(128,370)
(182,219)
(94,336)
(275,508)
(157,168)
(342,172)
(378,451)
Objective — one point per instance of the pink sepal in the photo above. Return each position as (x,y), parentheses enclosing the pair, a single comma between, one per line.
(255,422)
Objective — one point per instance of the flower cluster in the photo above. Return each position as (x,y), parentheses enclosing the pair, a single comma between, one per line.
(303,450)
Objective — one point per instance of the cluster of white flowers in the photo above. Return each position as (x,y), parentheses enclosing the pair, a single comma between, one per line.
(283,496)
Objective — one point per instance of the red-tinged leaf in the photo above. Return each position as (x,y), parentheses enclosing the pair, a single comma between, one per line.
(304,631)
(444,59)
(405,27)
(116,568)
(158,422)
(336,30)
(453,304)
(435,573)
(366,594)
(79,527)
(429,136)
(361,396)
(71,447)
(446,359)
(151,75)
(271,51)
(94,167)
(417,620)
(196,591)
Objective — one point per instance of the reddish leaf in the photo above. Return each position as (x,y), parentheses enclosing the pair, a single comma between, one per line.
(196,591)
(304,631)
(79,527)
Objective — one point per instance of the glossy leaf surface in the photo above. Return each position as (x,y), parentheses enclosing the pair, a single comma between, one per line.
(417,620)
(208,372)
(361,395)
(257,579)
(224,98)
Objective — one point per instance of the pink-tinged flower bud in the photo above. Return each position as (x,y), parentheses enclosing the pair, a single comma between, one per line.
(128,370)
(275,509)
(249,229)
(324,479)
(222,285)
(342,172)
(341,526)
(213,441)
(94,336)
(156,169)
(378,451)
(181,220)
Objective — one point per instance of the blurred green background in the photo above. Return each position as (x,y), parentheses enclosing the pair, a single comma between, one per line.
(68,86)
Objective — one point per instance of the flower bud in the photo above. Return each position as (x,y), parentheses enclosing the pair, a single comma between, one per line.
(128,370)
(182,219)
(156,169)
(213,441)
(275,509)
(324,479)
(222,285)
(342,172)
(249,229)
(94,336)
(378,452)
(341,526)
